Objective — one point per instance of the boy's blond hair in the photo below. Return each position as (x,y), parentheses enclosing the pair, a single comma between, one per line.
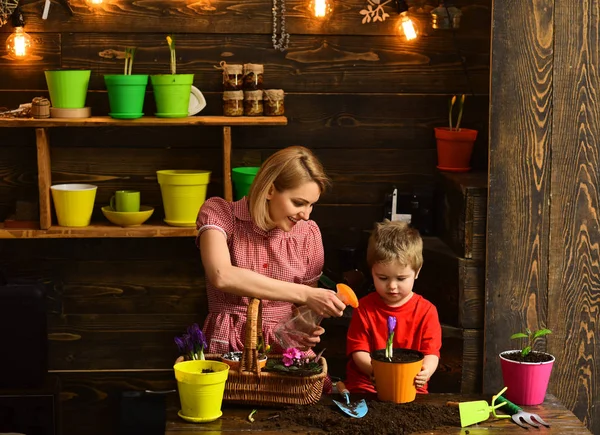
(395,241)
(286,169)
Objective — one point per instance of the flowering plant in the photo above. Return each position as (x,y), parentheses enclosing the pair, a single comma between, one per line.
(389,348)
(296,362)
(192,344)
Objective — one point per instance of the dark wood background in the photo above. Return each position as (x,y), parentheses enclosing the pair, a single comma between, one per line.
(362,98)
(542,245)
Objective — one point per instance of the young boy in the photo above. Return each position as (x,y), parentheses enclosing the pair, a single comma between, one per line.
(395,256)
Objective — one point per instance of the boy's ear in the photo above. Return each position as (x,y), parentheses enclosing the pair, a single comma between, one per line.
(417,274)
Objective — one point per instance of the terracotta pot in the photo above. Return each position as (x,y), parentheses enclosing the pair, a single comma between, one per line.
(395,380)
(262,360)
(454,148)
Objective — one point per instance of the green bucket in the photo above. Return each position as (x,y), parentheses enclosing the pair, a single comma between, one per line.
(242,180)
(183,193)
(172,94)
(68,88)
(126,95)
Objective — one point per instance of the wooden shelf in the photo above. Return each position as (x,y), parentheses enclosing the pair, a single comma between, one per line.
(41,127)
(145,121)
(98,230)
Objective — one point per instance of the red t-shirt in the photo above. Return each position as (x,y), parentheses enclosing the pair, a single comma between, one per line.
(418,327)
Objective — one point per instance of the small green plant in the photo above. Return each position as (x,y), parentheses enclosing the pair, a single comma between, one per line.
(129,55)
(171,42)
(461,103)
(531,337)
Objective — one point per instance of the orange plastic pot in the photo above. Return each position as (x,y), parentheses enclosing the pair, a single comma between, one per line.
(454,148)
(395,381)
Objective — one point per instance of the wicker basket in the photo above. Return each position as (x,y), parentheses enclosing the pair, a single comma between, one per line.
(250,385)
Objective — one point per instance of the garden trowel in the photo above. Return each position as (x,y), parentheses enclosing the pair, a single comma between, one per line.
(478,410)
(357,409)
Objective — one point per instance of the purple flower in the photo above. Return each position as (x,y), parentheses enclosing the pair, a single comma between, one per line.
(292,356)
(181,345)
(197,337)
(391,324)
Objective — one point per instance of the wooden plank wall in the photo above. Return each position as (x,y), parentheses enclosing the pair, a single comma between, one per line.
(543,222)
(574,255)
(362,98)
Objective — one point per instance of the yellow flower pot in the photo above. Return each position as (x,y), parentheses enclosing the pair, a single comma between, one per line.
(201,394)
(74,203)
(183,193)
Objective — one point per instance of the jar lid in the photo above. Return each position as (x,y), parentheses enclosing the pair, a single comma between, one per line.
(273,94)
(233,69)
(253,67)
(253,95)
(233,95)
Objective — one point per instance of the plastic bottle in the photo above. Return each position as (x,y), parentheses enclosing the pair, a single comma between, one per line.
(292,331)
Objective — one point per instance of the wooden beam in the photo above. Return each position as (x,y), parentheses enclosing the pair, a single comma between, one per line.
(519,176)
(44,176)
(146,121)
(574,256)
(228,188)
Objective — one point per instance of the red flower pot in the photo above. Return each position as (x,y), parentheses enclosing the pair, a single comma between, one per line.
(454,148)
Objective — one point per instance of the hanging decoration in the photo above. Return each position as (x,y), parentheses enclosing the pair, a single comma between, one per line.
(7,7)
(375,11)
(282,43)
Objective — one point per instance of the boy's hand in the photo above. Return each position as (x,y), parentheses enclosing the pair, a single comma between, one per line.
(422,378)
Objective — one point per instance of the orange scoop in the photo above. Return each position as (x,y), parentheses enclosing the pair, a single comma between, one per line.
(347,295)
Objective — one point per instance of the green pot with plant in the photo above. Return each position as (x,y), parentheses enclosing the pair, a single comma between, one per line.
(455,144)
(526,372)
(172,91)
(126,92)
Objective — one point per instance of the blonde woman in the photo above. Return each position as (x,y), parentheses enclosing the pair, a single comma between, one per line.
(265,246)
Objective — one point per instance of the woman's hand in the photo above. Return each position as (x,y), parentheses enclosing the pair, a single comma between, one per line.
(309,341)
(324,302)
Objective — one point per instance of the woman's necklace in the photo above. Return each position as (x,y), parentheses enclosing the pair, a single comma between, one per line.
(284,39)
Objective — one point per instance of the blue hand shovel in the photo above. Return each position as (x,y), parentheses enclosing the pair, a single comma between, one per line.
(357,409)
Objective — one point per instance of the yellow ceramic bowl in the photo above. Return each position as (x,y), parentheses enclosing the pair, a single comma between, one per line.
(128,218)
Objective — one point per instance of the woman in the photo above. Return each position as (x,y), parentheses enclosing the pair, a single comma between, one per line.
(264,246)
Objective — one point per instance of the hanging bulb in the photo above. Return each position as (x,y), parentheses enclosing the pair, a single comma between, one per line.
(18,44)
(321,8)
(407,27)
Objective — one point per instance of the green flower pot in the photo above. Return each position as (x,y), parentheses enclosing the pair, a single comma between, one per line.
(126,95)
(172,94)
(68,88)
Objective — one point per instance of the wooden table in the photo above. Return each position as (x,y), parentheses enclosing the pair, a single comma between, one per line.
(562,421)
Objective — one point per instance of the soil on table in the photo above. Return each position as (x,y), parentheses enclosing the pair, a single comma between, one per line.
(383,418)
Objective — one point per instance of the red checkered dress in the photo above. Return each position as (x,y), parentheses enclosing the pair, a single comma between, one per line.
(294,256)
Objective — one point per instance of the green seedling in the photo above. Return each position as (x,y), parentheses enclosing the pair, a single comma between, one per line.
(531,337)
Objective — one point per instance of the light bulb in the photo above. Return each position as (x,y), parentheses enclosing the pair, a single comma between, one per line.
(94,2)
(321,8)
(18,44)
(407,27)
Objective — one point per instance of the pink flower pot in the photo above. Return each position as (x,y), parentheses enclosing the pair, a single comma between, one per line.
(527,382)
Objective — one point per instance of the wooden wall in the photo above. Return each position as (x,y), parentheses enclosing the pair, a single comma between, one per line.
(362,98)
(544,193)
